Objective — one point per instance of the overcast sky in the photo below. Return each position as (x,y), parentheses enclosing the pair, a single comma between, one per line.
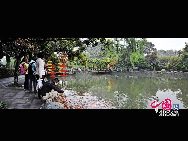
(168,43)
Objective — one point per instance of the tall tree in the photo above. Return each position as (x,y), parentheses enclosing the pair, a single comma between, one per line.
(184,57)
(133,51)
(19,47)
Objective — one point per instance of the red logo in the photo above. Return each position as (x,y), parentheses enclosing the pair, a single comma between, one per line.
(166,104)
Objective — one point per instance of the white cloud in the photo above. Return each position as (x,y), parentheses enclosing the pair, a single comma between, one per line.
(168,43)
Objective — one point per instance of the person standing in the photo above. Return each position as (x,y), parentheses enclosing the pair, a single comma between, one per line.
(31,74)
(40,66)
(40,72)
(26,82)
(21,68)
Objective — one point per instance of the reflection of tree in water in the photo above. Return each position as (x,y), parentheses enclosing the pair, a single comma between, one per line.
(183,95)
(110,83)
(176,85)
(80,83)
(120,99)
(137,92)
(84,82)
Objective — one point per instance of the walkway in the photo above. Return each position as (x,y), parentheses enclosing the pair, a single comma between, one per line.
(17,98)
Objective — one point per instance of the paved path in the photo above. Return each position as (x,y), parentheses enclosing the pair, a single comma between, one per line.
(6,81)
(17,98)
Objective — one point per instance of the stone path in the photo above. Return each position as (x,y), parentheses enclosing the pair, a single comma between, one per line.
(6,81)
(17,98)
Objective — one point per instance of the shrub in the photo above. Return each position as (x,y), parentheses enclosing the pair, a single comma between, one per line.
(3,105)
(4,72)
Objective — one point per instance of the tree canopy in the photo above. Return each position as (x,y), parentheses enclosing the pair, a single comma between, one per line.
(116,52)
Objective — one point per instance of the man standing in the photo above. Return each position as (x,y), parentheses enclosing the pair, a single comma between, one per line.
(26,82)
(31,74)
(40,65)
(40,72)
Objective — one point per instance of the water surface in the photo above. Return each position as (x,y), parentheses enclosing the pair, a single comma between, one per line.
(130,92)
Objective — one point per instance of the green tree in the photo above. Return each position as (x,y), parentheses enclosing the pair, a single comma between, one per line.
(19,47)
(133,51)
(174,63)
(184,58)
(83,57)
(151,55)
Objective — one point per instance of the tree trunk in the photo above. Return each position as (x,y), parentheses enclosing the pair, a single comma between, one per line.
(16,71)
(30,55)
(154,68)
(8,61)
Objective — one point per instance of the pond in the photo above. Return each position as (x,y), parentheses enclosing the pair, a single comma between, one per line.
(130,92)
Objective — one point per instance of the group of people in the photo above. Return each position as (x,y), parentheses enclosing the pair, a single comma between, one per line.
(34,70)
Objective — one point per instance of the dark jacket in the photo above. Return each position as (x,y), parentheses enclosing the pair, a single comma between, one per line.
(47,87)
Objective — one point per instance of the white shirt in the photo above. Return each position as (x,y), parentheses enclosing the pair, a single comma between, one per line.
(40,67)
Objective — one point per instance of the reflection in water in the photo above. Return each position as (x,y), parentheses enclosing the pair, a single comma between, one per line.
(129,92)
(163,94)
(121,99)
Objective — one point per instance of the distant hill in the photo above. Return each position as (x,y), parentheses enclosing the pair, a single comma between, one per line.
(94,52)
(162,53)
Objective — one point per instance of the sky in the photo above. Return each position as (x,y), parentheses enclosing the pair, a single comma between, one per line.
(168,43)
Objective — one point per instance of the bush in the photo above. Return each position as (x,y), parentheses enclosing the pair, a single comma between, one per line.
(3,105)
(4,72)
